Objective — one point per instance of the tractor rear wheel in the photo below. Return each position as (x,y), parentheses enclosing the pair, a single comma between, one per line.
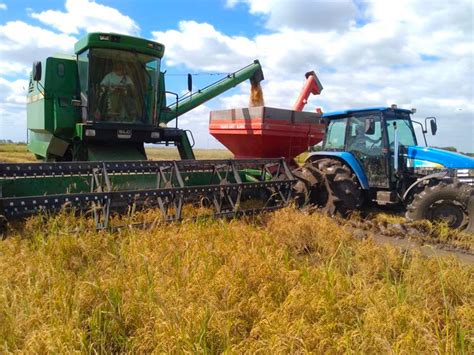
(337,189)
(445,201)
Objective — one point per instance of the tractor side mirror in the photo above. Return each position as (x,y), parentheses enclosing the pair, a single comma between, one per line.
(434,127)
(37,71)
(369,126)
(190,82)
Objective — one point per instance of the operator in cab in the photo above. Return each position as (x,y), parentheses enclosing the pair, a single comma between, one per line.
(117,93)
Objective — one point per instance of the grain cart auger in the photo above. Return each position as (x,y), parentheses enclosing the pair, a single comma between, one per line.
(89,116)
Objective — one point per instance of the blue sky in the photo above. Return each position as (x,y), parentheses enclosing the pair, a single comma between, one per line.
(410,52)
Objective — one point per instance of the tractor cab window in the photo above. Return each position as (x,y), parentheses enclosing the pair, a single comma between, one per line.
(406,134)
(359,140)
(122,86)
(335,135)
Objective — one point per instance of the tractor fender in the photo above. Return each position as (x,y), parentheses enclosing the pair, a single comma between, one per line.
(348,159)
(437,176)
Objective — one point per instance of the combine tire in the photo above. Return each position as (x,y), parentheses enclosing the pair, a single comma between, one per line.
(337,189)
(3,224)
(446,201)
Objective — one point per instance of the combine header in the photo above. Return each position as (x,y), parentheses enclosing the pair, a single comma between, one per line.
(225,187)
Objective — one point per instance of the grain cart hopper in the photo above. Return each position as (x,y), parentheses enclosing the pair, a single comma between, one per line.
(89,116)
(257,132)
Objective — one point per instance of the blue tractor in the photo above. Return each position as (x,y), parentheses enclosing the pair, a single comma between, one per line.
(372,156)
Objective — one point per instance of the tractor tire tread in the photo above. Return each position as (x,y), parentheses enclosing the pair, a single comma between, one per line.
(445,190)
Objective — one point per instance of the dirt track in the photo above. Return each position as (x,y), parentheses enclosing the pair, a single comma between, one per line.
(430,240)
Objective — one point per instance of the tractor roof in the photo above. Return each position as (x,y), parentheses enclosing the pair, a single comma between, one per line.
(119,41)
(344,113)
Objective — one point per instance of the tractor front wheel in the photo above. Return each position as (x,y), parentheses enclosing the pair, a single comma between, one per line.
(446,201)
(337,189)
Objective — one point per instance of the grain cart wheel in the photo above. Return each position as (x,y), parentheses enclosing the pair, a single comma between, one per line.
(445,201)
(338,188)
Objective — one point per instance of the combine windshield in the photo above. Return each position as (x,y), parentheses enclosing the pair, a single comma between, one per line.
(122,86)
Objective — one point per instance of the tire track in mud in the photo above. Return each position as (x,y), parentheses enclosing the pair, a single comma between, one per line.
(412,236)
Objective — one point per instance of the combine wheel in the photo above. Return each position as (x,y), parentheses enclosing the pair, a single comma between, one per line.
(3,224)
(338,188)
(452,202)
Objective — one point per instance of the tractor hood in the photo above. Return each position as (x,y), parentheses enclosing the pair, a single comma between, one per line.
(438,158)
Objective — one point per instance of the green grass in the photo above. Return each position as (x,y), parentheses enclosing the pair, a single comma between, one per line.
(283,283)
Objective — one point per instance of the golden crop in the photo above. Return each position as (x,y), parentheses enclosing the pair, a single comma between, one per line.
(282,283)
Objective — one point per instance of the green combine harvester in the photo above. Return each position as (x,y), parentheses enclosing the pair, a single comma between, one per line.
(89,117)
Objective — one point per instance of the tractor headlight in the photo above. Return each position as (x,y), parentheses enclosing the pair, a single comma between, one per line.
(465,172)
(466,176)
(155,135)
(90,132)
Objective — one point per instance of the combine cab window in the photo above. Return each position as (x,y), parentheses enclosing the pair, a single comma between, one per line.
(335,136)
(122,86)
(83,70)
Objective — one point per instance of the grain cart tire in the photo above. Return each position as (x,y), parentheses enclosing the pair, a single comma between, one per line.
(445,201)
(338,189)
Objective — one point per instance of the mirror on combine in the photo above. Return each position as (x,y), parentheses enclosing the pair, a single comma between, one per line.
(370,125)
(37,71)
(190,82)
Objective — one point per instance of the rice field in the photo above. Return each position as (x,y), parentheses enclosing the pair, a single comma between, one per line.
(286,282)
(17,153)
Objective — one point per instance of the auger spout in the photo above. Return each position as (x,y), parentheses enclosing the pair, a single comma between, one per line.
(253,72)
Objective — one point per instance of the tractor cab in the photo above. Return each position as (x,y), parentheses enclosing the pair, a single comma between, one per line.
(372,136)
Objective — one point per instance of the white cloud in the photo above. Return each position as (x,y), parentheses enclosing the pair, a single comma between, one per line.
(21,44)
(12,109)
(317,15)
(87,15)
(216,50)
(3,6)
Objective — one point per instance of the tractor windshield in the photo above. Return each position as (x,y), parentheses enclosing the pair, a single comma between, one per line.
(335,135)
(122,86)
(406,134)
